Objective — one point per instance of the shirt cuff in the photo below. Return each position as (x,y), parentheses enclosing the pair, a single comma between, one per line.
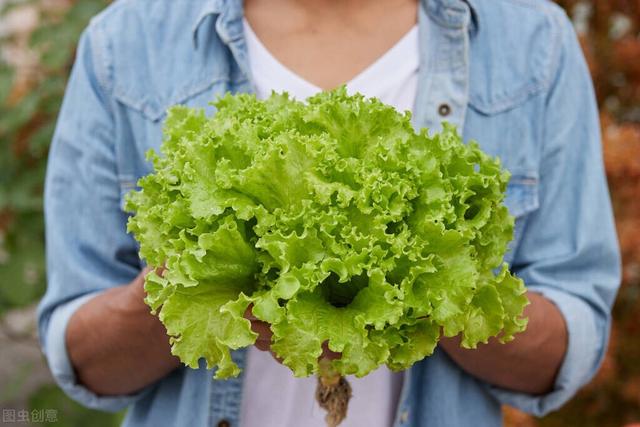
(60,365)
(584,352)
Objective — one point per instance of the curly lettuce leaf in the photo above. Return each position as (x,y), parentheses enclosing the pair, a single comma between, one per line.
(333,218)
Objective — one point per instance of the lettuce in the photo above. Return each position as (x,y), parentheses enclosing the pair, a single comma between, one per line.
(336,221)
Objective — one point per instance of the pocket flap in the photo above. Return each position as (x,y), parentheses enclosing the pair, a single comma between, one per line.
(522,195)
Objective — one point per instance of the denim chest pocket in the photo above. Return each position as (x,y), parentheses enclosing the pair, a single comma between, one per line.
(144,128)
(513,136)
(521,199)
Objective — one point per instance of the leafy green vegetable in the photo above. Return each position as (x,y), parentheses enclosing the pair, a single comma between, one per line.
(337,221)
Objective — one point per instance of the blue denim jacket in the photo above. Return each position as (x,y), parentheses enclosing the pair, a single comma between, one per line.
(509,73)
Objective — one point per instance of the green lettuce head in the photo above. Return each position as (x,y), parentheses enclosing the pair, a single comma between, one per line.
(336,221)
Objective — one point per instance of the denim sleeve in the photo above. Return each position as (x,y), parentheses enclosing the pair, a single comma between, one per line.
(569,250)
(60,365)
(87,246)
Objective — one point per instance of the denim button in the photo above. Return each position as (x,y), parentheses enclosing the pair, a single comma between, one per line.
(444,110)
(224,423)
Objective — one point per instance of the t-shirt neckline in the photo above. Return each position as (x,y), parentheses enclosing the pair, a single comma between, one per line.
(375,73)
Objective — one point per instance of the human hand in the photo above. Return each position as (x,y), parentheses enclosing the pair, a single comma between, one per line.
(519,365)
(114,334)
(135,293)
(263,342)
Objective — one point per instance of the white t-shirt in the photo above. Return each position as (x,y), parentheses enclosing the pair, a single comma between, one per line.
(272,396)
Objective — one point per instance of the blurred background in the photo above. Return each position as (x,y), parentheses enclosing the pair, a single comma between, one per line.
(37,43)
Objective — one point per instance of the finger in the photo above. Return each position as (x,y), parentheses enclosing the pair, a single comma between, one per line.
(262,329)
(147,270)
(329,354)
(264,345)
(143,273)
(263,342)
(160,270)
(248,313)
(136,287)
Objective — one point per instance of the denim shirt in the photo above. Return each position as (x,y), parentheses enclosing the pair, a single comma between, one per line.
(508,73)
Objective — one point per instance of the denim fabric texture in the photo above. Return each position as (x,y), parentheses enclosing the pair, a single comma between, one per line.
(509,73)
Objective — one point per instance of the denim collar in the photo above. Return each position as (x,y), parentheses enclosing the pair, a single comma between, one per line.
(453,13)
(448,13)
(227,26)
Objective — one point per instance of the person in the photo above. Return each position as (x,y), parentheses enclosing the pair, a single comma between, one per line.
(508,73)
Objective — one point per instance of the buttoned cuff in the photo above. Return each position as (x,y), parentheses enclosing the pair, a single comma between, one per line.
(60,365)
(584,352)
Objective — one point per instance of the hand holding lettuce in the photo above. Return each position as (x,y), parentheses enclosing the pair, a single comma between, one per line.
(337,222)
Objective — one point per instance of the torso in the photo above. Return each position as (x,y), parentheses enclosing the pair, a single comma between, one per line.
(497,93)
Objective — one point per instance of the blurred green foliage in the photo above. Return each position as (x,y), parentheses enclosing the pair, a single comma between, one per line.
(28,109)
